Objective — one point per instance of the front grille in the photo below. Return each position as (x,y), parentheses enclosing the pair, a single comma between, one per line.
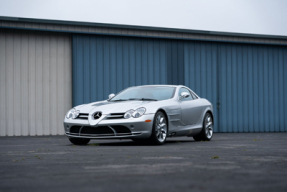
(115,116)
(97,130)
(110,116)
(75,129)
(115,130)
(121,129)
(83,116)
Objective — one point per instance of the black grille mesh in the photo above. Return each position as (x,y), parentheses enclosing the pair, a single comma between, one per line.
(121,129)
(101,130)
(75,129)
(97,130)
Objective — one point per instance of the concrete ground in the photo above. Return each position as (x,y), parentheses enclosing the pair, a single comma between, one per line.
(230,162)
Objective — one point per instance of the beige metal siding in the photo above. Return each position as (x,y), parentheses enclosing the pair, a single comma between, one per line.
(35,83)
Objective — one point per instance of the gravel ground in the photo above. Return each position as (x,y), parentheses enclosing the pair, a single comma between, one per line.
(230,162)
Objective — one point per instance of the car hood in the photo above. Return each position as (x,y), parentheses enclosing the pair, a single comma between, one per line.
(107,107)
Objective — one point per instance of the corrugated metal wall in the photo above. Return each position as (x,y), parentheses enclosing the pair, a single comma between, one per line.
(247,82)
(104,65)
(252,88)
(35,82)
(200,72)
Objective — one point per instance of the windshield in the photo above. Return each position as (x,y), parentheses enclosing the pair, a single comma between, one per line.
(151,93)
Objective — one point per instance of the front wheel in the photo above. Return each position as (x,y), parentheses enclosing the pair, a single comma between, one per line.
(207,129)
(159,130)
(79,141)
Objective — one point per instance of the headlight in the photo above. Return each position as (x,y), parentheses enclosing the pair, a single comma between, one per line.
(128,114)
(134,113)
(73,113)
(139,112)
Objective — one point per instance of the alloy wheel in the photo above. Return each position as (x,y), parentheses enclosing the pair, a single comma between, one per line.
(161,128)
(208,126)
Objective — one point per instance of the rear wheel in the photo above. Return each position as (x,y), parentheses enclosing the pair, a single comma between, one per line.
(79,141)
(207,129)
(159,130)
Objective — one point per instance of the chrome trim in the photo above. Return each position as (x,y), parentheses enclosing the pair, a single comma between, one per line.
(124,134)
(113,130)
(107,137)
(115,116)
(80,130)
(83,116)
(85,134)
(99,115)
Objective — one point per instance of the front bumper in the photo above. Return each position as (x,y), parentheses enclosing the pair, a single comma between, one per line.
(110,128)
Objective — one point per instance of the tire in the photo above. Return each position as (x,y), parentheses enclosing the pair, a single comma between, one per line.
(79,141)
(207,129)
(159,129)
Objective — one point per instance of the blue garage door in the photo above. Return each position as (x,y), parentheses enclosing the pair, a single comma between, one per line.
(246,83)
(252,88)
(104,65)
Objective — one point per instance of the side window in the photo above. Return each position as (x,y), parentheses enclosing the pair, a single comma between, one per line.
(184,90)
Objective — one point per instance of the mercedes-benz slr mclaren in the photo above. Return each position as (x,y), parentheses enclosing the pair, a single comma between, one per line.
(142,113)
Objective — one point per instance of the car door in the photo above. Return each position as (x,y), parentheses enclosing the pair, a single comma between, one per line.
(191,108)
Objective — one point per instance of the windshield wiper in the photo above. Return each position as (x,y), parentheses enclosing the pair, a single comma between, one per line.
(143,99)
(118,100)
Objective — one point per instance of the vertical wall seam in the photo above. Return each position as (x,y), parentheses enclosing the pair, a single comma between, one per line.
(217,77)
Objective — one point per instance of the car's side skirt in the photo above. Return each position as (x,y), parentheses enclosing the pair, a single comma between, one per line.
(185,131)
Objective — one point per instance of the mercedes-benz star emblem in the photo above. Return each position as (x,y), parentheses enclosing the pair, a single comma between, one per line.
(97,115)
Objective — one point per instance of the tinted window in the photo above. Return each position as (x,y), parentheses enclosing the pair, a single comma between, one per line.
(181,90)
(148,92)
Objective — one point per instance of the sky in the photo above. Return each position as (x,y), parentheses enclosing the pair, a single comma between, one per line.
(267,17)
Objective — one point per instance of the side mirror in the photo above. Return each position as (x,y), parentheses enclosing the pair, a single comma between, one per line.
(111,95)
(184,95)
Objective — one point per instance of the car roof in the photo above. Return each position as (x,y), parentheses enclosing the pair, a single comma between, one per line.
(162,85)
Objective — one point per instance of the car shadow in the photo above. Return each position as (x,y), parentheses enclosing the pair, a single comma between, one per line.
(142,143)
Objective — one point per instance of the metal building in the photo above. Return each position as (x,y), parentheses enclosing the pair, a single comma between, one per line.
(46,67)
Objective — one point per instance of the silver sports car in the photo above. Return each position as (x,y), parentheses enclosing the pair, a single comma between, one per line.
(150,113)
